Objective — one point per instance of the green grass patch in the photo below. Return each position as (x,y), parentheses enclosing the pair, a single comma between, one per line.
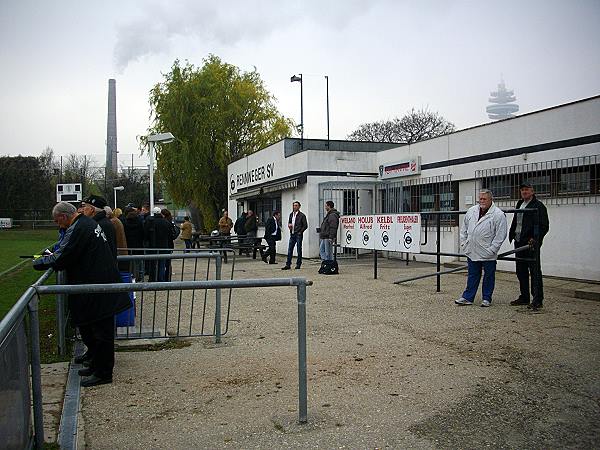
(14,243)
(12,286)
(171,344)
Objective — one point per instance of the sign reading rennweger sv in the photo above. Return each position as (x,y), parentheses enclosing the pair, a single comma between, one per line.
(402,168)
(392,232)
(251,177)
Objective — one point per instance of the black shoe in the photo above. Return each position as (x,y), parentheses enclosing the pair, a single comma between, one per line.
(272,262)
(519,302)
(535,306)
(95,380)
(81,358)
(85,372)
(286,268)
(297,267)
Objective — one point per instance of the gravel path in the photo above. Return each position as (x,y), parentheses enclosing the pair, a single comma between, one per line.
(388,366)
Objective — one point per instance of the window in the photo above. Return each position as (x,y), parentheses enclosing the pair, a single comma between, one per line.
(575,182)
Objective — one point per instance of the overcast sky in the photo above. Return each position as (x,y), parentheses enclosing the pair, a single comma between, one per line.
(382,58)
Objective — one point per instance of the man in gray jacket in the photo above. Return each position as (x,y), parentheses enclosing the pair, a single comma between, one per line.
(328,231)
(481,235)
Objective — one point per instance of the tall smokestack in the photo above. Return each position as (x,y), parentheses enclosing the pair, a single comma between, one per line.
(111,128)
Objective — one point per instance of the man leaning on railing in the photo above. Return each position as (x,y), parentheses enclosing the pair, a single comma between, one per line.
(85,255)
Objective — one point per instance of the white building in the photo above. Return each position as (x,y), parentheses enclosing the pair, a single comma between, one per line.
(557,149)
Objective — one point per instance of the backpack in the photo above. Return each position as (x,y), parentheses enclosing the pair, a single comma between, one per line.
(329,267)
(175,230)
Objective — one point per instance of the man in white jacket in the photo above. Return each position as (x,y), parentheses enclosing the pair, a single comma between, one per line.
(482,233)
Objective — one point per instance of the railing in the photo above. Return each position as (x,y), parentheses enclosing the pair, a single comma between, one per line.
(437,215)
(299,283)
(20,364)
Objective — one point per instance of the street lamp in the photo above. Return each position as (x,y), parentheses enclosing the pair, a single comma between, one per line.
(117,188)
(299,78)
(161,138)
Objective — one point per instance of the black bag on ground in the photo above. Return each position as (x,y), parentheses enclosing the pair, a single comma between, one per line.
(329,267)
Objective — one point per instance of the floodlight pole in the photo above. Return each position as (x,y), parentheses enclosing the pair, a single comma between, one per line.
(151,170)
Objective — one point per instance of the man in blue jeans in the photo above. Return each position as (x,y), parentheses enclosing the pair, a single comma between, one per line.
(297,224)
(481,235)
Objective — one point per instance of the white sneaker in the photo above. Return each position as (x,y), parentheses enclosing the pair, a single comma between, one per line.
(485,303)
(463,302)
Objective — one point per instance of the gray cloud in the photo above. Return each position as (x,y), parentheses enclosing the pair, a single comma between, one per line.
(221,23)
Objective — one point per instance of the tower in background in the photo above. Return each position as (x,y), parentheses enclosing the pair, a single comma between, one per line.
(502,106)
(111,128)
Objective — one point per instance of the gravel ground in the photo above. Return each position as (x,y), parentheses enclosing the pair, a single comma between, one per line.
(388,367)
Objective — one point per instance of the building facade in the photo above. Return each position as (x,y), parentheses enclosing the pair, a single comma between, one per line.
(557,149)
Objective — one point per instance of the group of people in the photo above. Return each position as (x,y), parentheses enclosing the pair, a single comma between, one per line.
(482,233)
(246,226)
(90,237)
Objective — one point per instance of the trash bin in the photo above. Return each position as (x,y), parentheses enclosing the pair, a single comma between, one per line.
(127,317)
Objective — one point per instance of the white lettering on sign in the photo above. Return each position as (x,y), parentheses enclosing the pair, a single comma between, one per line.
(251,177)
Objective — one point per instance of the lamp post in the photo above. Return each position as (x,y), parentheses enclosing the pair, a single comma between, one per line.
(327,81)
(299,78)
(162,138)
(115,189)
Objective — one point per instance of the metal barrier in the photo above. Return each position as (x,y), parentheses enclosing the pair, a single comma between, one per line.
(300,284)
(17,367)
(438,253)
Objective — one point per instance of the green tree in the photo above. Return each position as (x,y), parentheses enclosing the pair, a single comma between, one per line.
(412,127)
(218,115)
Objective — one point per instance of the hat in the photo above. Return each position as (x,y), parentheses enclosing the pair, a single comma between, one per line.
(525,183)
(156,210)
(95,201)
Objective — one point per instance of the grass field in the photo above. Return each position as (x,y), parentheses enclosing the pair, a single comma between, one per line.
(23,242)
(14,283)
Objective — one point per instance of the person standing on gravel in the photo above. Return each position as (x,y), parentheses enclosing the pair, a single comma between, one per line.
(529,229)
(87,258)
(297,224)
(328,231)
(481,235)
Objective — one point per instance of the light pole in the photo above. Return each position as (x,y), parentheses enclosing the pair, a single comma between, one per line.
(327,80)
(115,189)
(299,78)
(162,138)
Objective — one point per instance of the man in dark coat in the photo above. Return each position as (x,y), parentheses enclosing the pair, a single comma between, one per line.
(240,228)
(328,231)
(85,255)
(157,233)
(272,235)
(134,233)
(251,227)
(93,206)
(529,229)
(297,224)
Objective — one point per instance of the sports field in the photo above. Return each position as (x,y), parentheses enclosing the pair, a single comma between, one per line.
(15,243)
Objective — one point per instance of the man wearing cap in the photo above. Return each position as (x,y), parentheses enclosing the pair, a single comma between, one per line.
(529,229)
(87,259)
(93,207)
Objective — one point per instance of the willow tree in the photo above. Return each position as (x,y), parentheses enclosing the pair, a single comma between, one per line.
(218,114)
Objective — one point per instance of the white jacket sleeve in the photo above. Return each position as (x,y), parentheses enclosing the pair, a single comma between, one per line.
(500,236)
(463,230)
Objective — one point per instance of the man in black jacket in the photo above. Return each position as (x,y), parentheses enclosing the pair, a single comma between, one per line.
(93,207)
(157,232)
(297,224)
(272,235)
(87,259)
(529,229)
(240,229)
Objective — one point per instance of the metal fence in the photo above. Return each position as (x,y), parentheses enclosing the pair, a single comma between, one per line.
(216,285)
(20,373)
(558,182)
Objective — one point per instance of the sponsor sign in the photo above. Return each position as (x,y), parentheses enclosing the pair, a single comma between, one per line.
(391,232)
(402,168)
(68,192)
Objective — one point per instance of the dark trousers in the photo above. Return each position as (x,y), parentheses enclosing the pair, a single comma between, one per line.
(295,241)
(99,337)
(526,268)
(270,253)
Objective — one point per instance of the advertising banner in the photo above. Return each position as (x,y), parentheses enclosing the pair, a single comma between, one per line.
(385,233)
(408,233)
(348,231)
(365,232)
(391,232)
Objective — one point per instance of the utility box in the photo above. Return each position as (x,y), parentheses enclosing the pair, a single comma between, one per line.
(70,192)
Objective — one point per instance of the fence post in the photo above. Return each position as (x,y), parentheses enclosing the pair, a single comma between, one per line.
(61,278)
(438,246)
(302,390)
(218,265)
(36,372)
